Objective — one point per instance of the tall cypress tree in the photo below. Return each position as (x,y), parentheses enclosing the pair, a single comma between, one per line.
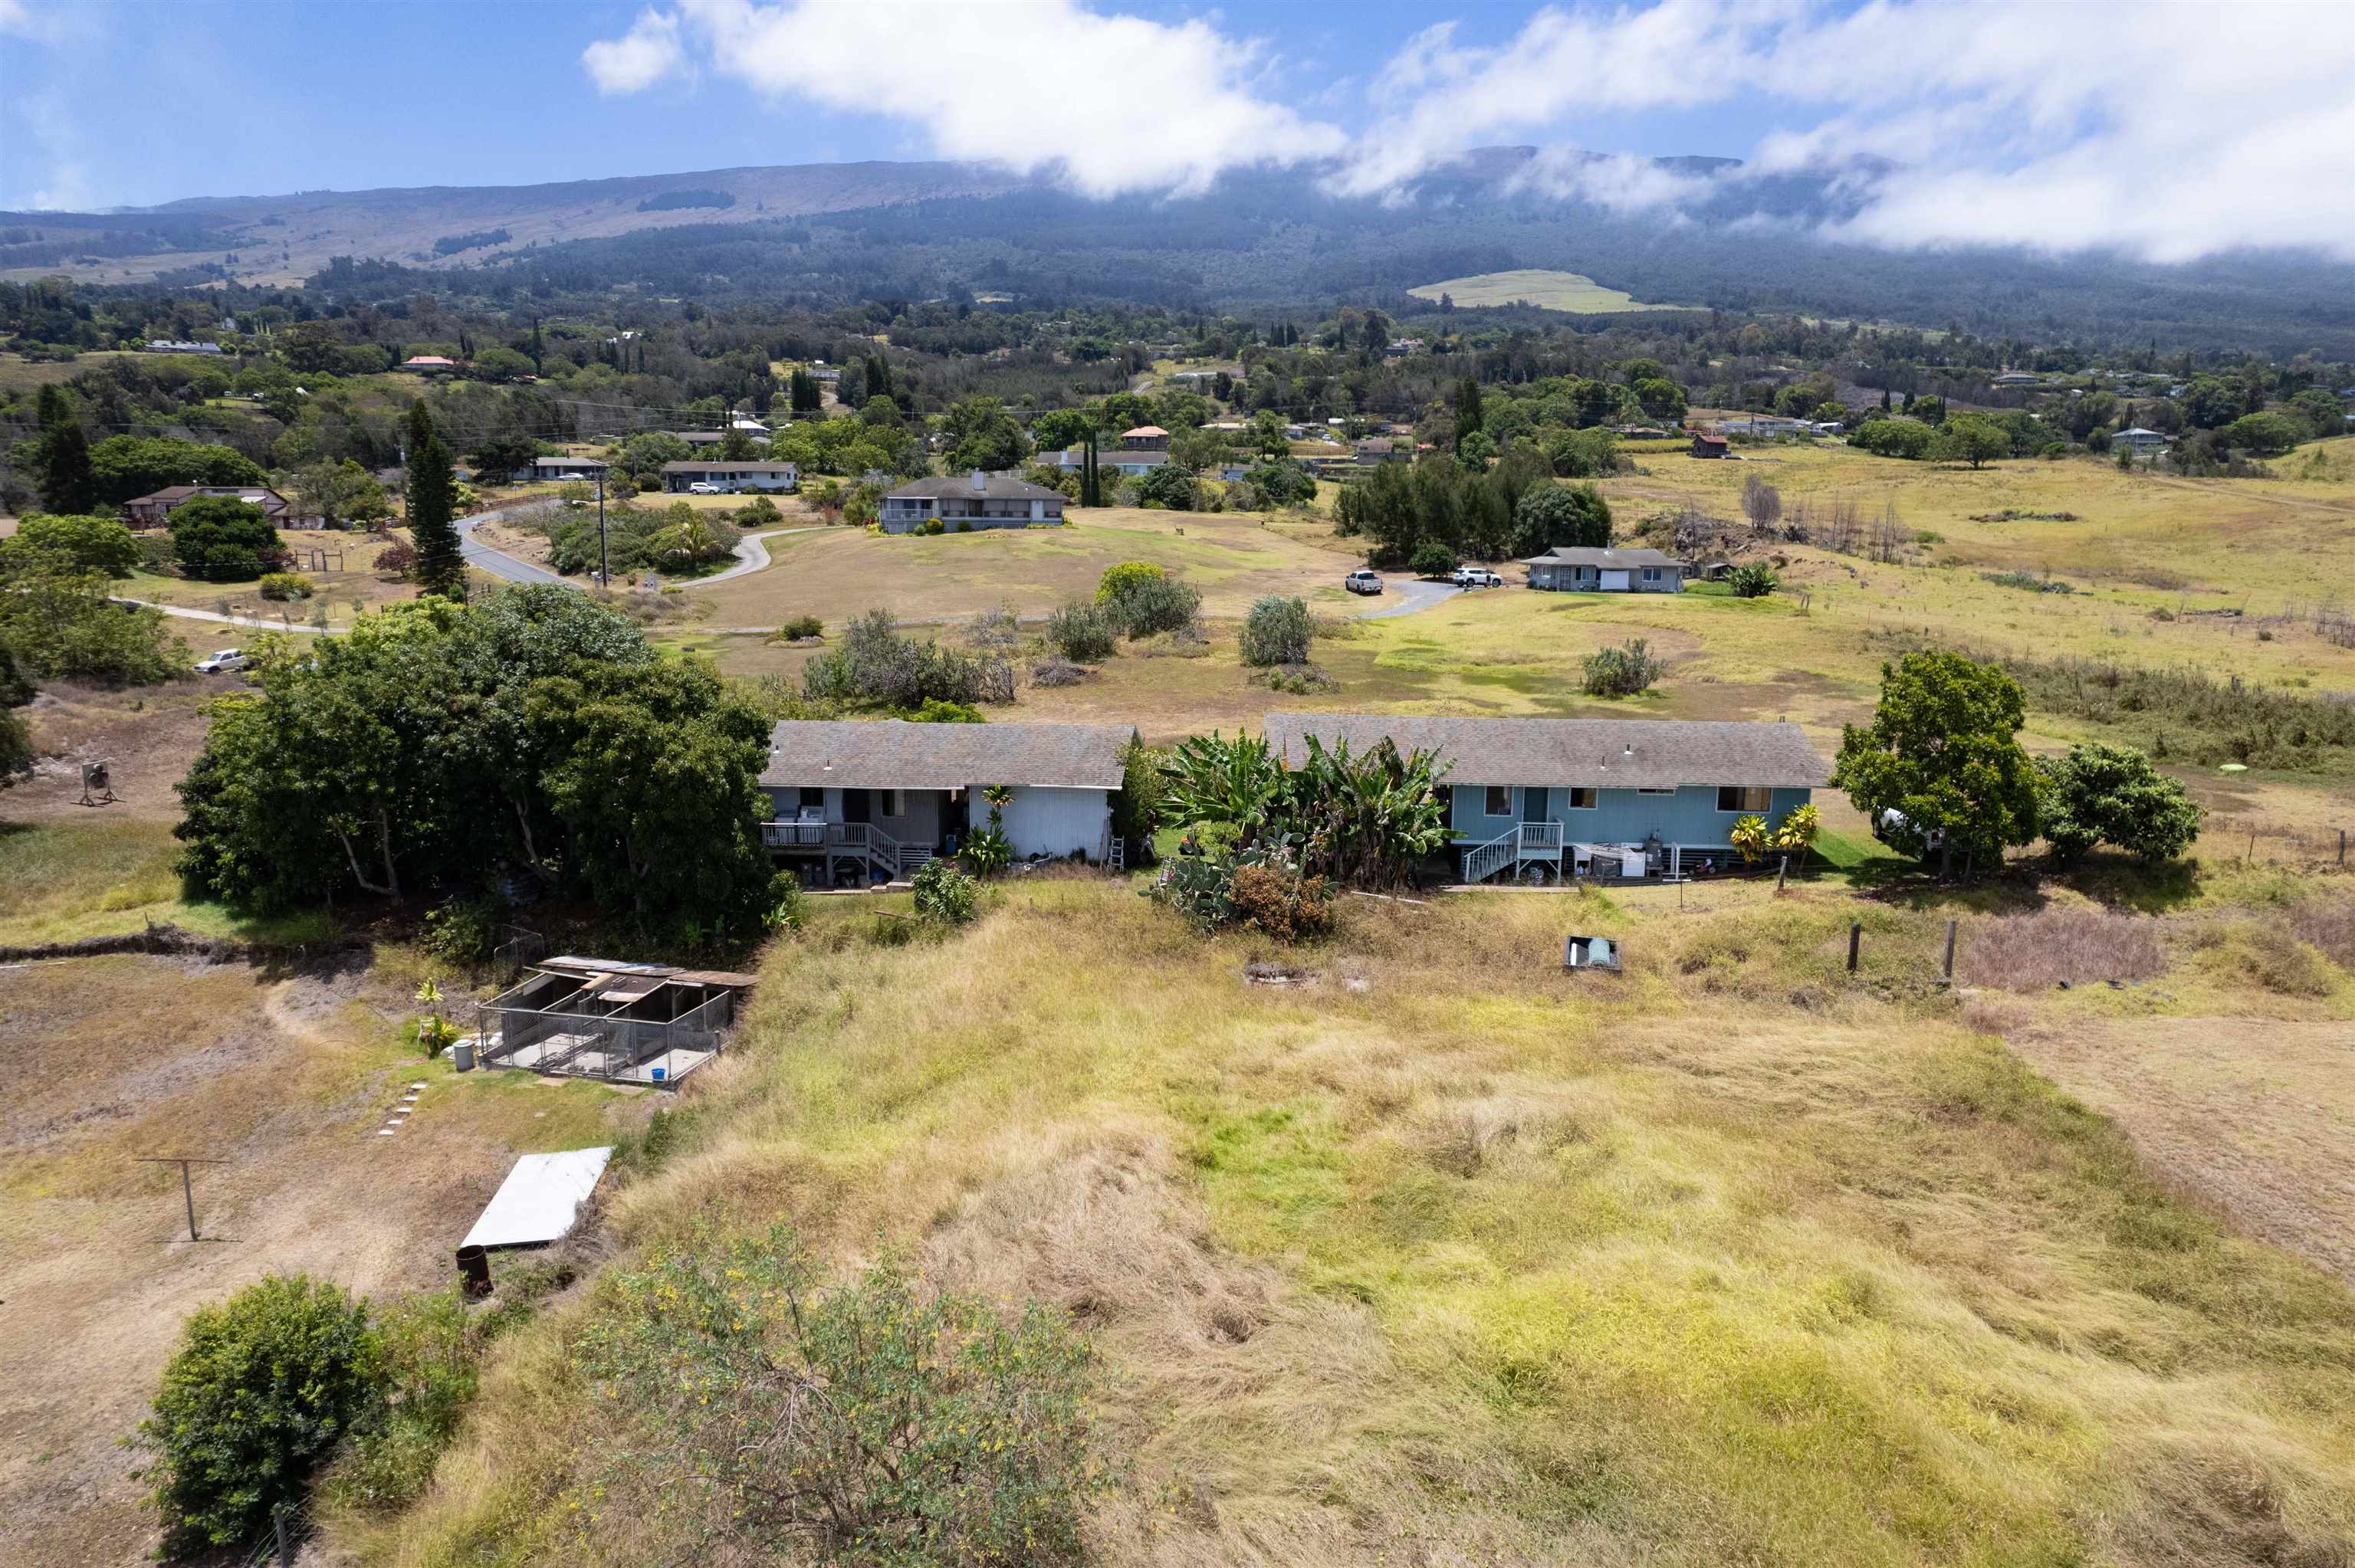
(66,485)
(432,509)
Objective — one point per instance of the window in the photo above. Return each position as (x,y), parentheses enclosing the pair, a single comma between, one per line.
(1744,797)
(893,805)
(1582,798)
(1500,802)
(1651,574)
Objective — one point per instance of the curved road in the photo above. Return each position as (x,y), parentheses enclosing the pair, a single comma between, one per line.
(1414,594)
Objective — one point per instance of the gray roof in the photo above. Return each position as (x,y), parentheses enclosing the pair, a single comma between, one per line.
(994,487)
(1618,754)
(696,465)
(1587,556)
(893,754)
(567,462)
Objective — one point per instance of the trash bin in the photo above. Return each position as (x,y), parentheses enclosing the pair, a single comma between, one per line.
(461,1056)
(475,1271)
(658,1073)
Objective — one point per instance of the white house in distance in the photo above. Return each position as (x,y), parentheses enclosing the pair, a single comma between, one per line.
(2139,441)
(428,364)
(758,475)
(859,802)
(559,469)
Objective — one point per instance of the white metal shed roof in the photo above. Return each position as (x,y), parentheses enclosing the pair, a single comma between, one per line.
(540,1197)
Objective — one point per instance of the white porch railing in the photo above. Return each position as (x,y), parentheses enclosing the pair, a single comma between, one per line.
(1519,845)
(860,841)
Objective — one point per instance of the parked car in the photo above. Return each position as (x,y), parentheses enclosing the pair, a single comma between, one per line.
(1476,577)
(1362,582)
(705,487)
(222,662)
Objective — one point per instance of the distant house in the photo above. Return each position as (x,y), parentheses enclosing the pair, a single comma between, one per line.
(858,801)
(428,364)
(1230,472)
(1579,569)
(1375,451)
(2139,441)
(2018,378)
(181,346)
(1827,427)
(760,474)
(543,470)
(1765,426)
(1141,450)
(1533,800)
(701,438)
(1401,348)
(980,500)
(750,425)
(154,511)
(1709,446)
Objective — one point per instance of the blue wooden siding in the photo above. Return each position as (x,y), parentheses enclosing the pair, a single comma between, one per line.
(1618,816)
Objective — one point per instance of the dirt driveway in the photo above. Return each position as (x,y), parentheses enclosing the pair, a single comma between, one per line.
(2252,1117)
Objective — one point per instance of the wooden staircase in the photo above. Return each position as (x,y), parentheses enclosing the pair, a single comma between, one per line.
(1522,844)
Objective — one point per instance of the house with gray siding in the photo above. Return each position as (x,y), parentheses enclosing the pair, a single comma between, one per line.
(763,474)
(852,802)
(1579,569)
(1541,800)
(980,500)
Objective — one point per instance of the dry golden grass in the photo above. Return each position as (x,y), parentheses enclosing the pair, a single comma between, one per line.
(1447,1256)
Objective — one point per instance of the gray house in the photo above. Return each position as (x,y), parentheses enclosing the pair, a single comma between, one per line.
(1582,569)
(856,801)
(1538,799)
(980,500)
(732,477)
(559,469)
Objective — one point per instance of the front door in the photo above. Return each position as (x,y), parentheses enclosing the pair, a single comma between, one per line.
(856,806)
(1533,805)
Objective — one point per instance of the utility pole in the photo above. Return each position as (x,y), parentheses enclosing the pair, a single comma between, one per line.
(188,1192)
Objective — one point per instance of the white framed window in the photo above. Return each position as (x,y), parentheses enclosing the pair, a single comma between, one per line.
(1744,797)
(1670,790)
(891,802)
(1582,798)
(1651,574)
(1499,801)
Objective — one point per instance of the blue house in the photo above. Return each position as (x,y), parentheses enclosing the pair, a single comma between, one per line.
(1538,799)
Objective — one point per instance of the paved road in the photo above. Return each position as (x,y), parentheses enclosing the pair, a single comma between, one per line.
(500,565)
(1412,594)
(751,555)
(184,613)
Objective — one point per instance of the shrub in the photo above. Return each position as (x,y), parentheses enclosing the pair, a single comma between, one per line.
(258,1391)
(1052,673)
(934,711)
(873,666)
(1081,633)
(932,525)
(430,1361)
(1755,580)
(1156,605)
(1118,580)
(1169,485)
(1621,672)
(463,930)
(397,560)
(907,1426)
(2112,794)
(1431,560)
(2029,582)
(286,585)
(944,893)
(802,627)
(96,544)
(1282,902)
(1276,632)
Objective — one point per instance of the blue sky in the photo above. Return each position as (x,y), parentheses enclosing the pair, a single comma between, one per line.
(2017,121)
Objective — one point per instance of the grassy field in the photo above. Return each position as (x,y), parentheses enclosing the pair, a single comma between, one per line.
(337,584)
(1551,291)
(843,572)
(1445,1257)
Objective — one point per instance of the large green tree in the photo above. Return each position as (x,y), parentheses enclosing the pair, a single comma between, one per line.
(1562,514)
(983,435)
(1972,439)
(67,485)
(94,543)
(1941,767)
(123,466)
(439,742)
(432,510)
(57,621)
(222,539)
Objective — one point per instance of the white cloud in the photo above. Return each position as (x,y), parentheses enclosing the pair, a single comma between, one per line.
(640,58)
(2171,131)
(1106,103)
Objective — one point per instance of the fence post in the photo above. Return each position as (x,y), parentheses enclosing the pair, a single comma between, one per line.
(285,1548)
(2342,846)
(1855,939)
(1782,869)
(1950,951)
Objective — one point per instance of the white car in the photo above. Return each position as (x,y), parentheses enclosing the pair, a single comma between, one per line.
(222,662)
(705,487)
(1476,577)
(1362,582)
